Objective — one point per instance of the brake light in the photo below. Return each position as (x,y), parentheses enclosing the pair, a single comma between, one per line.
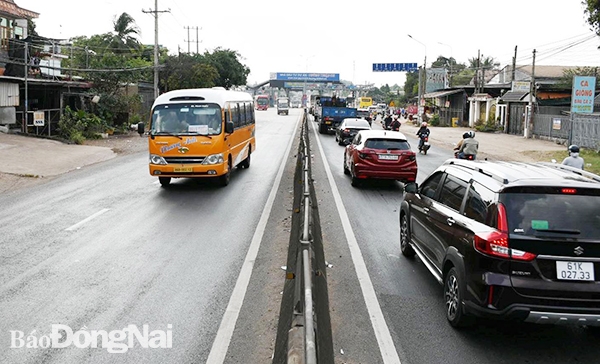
(346,130)
(569,191)
(412,157)
(364,156)
(495,243)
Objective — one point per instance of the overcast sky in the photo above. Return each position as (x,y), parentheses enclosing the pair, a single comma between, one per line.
(324,36)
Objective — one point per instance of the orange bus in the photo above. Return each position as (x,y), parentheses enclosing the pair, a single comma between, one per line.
(200,133)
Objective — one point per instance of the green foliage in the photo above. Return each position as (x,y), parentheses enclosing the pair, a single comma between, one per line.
(78,125)
(435,120)
(463,77)
(231,71)
(567,78)
(592,13)
(489,126)
(188,71)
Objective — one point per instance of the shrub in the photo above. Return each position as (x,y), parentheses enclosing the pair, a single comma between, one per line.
(435,120)
(78,125)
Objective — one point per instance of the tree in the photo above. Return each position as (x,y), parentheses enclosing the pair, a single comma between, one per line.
(231,71)
(188,71)
(566,80)
(486,63)
(592,12)
(125,34)
(411,86)
(31,28)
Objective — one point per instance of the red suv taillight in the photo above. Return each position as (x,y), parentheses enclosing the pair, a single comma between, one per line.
(495,243)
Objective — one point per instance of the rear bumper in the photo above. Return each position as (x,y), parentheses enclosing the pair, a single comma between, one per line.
(405,175)
(538,314)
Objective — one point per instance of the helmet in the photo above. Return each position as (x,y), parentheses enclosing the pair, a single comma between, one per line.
(424,124)
(466,135)
(471,134)
(573,149)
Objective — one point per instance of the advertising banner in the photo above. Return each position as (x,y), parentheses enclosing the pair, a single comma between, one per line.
(582,99)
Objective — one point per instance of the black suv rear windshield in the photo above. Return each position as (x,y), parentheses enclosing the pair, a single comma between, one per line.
(387,144)
(553,214)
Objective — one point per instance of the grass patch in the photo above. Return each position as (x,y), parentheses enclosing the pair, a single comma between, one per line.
(590,157)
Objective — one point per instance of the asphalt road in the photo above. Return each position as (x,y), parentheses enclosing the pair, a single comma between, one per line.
(409,298)
(106,247)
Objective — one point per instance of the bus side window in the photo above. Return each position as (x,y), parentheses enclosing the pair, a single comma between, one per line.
(235,115)
(249,113)
(242,108)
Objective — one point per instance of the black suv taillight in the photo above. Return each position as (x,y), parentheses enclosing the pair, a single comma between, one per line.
(495,243)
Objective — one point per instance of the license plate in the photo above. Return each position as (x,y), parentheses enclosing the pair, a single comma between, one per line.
(182,169)
(389,157)
(575,271)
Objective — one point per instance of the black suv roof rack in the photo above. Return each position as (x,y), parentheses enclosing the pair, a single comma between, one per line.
(479,168)
(566,168)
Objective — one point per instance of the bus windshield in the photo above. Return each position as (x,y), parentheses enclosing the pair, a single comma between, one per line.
(262,101)
(188,118)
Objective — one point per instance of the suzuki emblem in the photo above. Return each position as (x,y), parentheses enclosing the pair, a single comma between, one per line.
(578,250)
(183,150)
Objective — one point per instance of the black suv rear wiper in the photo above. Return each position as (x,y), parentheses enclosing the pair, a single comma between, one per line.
(560,231)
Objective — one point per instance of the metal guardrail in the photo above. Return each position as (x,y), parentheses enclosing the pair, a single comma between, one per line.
(302,346)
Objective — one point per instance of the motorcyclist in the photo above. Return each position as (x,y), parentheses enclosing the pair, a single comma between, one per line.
(574,160)
(467,146)
(395,125)
(422,133)
(387,121)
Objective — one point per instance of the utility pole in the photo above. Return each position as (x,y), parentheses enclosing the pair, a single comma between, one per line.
(156,12)
(529,129)
(514,66)
(197,42)
(26,103)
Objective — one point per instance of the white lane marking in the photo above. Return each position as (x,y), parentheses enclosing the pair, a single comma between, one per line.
(221,344)
(76,226)
(382,332)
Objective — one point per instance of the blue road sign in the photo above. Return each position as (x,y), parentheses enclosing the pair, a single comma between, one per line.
(395,67)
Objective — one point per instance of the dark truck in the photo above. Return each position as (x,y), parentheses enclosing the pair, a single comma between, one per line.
(330,111)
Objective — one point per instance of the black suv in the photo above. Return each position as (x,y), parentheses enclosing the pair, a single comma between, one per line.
(508,240)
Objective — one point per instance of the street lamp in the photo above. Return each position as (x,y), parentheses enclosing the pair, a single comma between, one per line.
(449,63)
(421,93)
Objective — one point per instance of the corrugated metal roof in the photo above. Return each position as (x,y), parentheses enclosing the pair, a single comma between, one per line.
(433,95)
(514,96)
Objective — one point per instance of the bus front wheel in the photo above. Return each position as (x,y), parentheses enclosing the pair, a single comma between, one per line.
(224,179)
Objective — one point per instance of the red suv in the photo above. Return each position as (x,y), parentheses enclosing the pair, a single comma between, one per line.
(380,154)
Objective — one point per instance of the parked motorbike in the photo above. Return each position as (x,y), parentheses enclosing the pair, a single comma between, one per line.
(424,144)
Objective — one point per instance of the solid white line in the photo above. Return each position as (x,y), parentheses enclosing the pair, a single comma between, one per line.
(223,338)
(382,332)
(76,226)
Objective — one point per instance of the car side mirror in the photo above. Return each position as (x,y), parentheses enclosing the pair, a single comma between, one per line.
(229,127)
(140,128)
(411,187)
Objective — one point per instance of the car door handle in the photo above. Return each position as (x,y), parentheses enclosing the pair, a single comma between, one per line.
(426,210)
(450,221)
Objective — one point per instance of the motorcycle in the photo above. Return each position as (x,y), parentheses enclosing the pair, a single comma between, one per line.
(424,144)
(469,157)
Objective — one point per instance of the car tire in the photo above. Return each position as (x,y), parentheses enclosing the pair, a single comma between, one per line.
(346,170)
(322,129)
(405,248)
(453,295)
(164,181)
(355,181)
